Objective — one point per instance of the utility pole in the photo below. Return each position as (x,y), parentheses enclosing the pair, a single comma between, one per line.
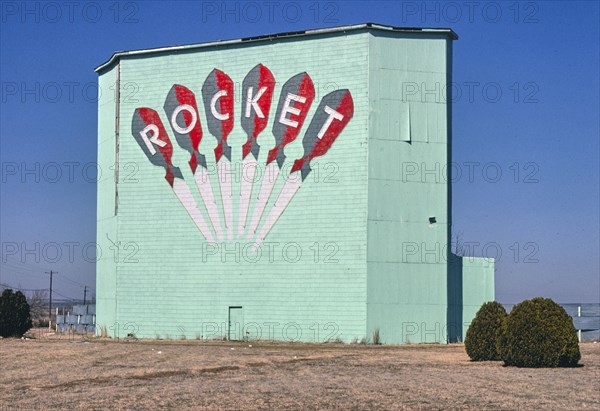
(50,303)
(84,293)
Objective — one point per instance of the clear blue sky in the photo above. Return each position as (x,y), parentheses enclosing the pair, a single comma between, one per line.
(542,132)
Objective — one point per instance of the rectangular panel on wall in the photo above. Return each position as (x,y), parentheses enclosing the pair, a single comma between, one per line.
(391,120)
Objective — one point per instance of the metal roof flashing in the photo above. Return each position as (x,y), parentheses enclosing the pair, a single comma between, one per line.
(339,29)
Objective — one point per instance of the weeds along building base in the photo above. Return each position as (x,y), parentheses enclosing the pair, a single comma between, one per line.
(265,188)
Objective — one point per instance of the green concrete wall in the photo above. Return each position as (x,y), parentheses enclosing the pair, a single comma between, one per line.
(356,220)
(470,284)
(168,284)
(478,287)
(106,267)
(407,268)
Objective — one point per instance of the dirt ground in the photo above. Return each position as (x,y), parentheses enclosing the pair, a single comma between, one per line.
(78,373)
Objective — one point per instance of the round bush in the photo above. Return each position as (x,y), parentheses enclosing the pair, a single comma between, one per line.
(538,333)
(480,341)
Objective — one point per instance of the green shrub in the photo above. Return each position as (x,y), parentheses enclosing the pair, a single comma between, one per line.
(15,318)
(480,341)
(538,333)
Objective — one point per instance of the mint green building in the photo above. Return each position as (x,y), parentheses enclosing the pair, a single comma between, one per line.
(288,187)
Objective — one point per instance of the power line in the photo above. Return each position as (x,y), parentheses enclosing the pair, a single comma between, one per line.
(12,287)
(73,281)
(16,271)
(69,281)
(22,289)
(14,261)
(64,296)
(17,275)
(89,290)
(8,267)
(67,298)
(14,265)
(71,284)
(21,270)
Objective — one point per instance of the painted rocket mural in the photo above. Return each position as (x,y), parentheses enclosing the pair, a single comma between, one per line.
(258,88)
(297,94)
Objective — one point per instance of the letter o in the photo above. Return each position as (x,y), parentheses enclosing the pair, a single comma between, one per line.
(179,109)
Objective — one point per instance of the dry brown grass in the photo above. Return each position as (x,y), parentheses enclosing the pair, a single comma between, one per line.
(53,372)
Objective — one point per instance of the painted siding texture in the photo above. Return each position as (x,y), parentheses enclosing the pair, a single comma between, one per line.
(478,287)
(106,268)
(175,285)
(369,258)
(407,267)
